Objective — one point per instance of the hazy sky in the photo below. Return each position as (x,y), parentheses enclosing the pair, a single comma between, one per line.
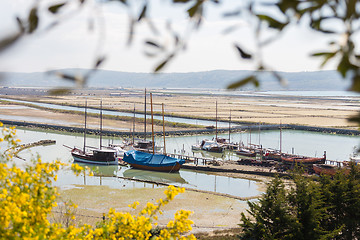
(73,45)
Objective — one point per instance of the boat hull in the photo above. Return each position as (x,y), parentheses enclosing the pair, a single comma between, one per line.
(153,162)
(174,168)
(301,160)
(325,169)
(90,159)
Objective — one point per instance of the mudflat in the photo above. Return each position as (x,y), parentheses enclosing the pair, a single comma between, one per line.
(320,111)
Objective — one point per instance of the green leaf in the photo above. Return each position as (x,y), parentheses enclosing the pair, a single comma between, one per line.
(344,66)
(243,54)
(326,55)
(143,13)
(161,65)
(153,44)
(194,9)
(99,61)
(66,76)
(55,8)
(8,41)
(242,82)
(33,20)
(273,23)
(20,24)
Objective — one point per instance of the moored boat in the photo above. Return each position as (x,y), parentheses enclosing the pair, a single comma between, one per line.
(96,156)
(211,146)
(326,169)
(246,152)
(303,159)
(154,162)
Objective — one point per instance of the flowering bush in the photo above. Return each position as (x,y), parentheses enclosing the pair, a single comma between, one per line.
(27,198)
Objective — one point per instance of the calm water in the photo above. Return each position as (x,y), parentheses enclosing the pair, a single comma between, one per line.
(338,147)
(106,175)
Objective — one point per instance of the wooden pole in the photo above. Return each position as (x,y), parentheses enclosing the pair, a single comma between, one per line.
(164,128)
(216,123)
(133,132)
(280,138)
(152,124)
(230,127)
(101,124)
(145,117)
(85,125)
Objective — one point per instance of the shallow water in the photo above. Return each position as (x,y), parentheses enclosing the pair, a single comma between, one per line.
(108,175)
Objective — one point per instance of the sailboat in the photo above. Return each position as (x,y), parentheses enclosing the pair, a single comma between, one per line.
(212,145)
(99,155)
(153,161)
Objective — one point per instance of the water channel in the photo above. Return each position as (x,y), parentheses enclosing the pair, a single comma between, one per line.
(117,113)
(338,147)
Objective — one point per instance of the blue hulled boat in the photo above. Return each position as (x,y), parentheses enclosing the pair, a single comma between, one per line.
(154,162)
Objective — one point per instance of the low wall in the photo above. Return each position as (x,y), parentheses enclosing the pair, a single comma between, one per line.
(183,132)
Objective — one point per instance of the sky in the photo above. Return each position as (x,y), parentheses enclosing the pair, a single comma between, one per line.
(72,45)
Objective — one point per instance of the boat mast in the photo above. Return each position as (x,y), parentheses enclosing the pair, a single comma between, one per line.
(152,124)
(229,126)
(133,132)
(280,138)
(164,128)
(85,125)
(216,123)
(145,117)
(259,133)
(101,123)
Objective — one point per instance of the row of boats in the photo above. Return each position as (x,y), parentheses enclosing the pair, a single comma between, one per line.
(253,151)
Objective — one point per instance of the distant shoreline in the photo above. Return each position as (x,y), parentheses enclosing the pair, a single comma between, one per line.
(183,132)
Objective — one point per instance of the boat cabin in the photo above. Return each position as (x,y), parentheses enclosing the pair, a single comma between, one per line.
(104,155)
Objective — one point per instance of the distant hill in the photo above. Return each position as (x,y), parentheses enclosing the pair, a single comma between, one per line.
(217,79)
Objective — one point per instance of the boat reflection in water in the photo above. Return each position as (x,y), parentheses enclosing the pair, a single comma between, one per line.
(102,170)
(154,176)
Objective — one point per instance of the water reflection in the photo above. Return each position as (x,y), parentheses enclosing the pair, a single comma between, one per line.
(170,178)
(102,171)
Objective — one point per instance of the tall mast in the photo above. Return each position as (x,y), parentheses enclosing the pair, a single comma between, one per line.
(259,133)
(164,128)
(216,123)
(152,124)
(250,135)
(145,117)
(85,124)
(280,137)
(101,123)
(230,126)
(133,133)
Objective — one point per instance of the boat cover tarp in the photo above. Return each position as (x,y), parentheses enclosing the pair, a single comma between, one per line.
(151,160)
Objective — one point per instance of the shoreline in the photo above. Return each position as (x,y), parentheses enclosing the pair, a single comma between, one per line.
(182,132)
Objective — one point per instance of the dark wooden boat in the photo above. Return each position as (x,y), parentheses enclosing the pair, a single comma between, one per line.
(303,160)
(326,169)
(96,156)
